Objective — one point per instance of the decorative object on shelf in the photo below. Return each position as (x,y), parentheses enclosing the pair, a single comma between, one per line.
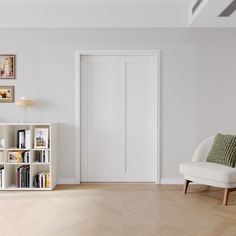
(7,66)
(7,94)
(2,143)
(25,103)
(41,138)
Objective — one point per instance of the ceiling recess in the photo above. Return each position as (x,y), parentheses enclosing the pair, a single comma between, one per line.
(196,5)
(229,10)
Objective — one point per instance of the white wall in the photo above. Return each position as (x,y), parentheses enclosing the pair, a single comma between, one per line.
(198,83)
(216,89)
(93,13)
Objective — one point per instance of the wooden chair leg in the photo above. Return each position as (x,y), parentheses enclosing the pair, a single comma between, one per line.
(186,183)
(226,196)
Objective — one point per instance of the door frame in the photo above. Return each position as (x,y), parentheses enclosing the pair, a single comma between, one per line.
(158,102)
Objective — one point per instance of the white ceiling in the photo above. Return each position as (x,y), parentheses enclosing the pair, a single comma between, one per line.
(112,14)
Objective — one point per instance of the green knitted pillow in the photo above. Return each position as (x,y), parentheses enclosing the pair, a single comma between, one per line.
(223,150)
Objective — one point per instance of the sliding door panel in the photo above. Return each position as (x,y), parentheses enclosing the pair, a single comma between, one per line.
(137,118)
(98,91)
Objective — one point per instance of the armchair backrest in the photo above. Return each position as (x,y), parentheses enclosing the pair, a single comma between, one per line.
(203,149)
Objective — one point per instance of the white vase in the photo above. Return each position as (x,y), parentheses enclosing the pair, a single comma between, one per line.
(2,143)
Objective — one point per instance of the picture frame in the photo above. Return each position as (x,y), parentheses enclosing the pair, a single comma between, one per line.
(7,94)
(7,66)
(13,157)
(41,138)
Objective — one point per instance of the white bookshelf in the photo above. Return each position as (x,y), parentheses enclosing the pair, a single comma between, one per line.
(8,132)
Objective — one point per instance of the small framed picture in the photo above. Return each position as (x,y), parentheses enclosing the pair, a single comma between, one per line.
(7,94)
(41,138)
(13,157)
(7,66)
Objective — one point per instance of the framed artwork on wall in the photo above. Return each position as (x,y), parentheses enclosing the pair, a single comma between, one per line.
(7,94)
(7,66)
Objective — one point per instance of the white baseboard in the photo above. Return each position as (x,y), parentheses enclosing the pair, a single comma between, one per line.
(66,181)
(172,181)
(163,181)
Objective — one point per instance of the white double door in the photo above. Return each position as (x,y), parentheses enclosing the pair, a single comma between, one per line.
(118,119)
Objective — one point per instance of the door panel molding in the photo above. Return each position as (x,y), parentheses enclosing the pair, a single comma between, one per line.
(157,55)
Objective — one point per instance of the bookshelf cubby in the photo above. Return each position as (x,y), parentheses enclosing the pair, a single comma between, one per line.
(31,159)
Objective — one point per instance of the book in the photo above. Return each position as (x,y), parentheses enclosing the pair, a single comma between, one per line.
(43,156)
(23,139)
(42,180)
(27,139)
(18,157)
(48,181)
(23,176)
(2,176)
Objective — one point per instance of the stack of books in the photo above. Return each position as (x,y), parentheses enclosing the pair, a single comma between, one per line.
(1,177)
(25,156)
(23,139)
(43,156)
(42,180)
(23,176)
(18,157)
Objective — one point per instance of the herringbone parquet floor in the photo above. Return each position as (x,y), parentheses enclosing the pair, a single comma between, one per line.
(118,210)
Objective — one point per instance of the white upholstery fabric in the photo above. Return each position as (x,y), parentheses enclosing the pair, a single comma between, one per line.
(203,149)
(200,171)
(209,171)
(209,182)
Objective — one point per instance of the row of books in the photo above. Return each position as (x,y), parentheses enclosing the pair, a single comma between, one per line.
(23,176)
(24,156)
(42,180)
(43,156)
(23,139)
(18,157)
(2,177)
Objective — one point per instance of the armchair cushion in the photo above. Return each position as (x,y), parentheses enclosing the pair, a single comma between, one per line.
(209,172)
(223,150)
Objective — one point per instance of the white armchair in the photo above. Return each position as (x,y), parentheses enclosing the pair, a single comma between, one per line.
(202,172)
